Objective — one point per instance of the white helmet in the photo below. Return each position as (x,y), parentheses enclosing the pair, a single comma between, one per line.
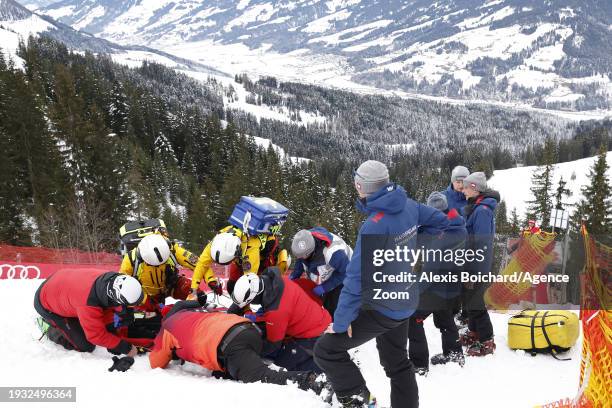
(225,247)
(247,287)
(154,249)
(126,290)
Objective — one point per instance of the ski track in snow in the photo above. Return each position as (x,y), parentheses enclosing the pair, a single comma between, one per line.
(506,379)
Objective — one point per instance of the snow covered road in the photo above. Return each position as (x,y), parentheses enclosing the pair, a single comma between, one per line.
(506,379)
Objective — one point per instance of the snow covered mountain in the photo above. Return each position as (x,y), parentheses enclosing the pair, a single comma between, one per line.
(18,23)
(551,54)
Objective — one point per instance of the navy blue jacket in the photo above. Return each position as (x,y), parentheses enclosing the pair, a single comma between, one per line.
(454,238)
(480,224)
(390,212)
(455,199)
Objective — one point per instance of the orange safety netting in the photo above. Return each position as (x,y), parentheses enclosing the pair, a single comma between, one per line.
(10,253)
(533,254)
(596,364)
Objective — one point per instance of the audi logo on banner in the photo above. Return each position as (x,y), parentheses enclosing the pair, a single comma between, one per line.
(19,271)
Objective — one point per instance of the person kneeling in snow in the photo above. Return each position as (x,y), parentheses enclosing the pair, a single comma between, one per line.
(324,257)
(79,305)
(220,342)
(293,320)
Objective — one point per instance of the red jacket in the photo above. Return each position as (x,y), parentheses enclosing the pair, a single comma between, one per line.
(81,294)
(194,336)
(288,311)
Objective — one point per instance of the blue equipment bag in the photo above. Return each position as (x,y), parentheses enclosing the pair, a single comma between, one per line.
(257,215)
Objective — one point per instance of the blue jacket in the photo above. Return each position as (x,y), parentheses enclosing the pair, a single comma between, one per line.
(480,225)
(330,251)
(390,212)
(455,199)
(454,238)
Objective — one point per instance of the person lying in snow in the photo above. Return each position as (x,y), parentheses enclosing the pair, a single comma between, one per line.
(292,319)
(220,342)
(77,308)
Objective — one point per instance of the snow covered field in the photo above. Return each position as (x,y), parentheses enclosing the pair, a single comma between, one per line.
(514,184)
(506,379)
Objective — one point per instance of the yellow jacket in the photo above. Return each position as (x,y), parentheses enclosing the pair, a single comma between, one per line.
(153,278)
(251,248)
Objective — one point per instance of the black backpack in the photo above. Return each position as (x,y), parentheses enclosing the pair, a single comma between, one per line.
(131,233)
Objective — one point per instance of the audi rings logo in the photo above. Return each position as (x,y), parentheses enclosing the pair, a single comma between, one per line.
(19,271)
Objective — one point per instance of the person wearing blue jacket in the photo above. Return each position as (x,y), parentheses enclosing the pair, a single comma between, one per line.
(438,298)
(392,217)
(480,224)
(454,193)
(323,256)
(456,199)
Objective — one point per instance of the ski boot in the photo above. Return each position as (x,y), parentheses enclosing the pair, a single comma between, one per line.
(422,371)
(468,337)
(362,400)
(319,384)
(480,349)
(453,356)
(43,326)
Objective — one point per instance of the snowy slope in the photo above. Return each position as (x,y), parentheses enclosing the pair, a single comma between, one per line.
(490,381)
(515,184)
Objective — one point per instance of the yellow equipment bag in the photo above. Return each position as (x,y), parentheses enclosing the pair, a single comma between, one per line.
(550,331)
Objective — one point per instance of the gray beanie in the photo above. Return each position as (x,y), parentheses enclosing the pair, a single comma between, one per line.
(371,176)
(477,180)
(437,200)
(459,173)
(303,244)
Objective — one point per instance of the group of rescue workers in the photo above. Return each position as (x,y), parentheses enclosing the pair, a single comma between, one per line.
(305,325)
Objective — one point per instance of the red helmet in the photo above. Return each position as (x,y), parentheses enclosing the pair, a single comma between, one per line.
(532,222)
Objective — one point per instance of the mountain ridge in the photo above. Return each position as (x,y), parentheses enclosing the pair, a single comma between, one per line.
(553,55)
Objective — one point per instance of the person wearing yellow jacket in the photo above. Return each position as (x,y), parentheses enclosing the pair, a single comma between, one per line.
(155,263)
(242,253)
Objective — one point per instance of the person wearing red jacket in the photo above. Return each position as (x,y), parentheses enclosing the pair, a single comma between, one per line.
(78,305)
(293,321)
(227,344)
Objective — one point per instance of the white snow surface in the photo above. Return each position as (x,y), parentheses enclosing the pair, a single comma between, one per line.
(29,362)
(96,12)
(514,184)
(11,32)
(265,143)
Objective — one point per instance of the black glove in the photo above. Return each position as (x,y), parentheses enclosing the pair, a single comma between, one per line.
(202,298)
(216,287)
(121,364)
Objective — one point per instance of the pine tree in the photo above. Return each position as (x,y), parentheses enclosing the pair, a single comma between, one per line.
(501,218)
(596,206)
(119,110)
(541,187)
(515,223)
(561,192)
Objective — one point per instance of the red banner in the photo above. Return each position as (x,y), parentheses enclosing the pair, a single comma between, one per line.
(34,270)
(30,270)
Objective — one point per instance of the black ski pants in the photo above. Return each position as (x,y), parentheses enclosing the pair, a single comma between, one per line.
(478,316)
(241,358)
(65,331)
(331,354)
(418,350)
